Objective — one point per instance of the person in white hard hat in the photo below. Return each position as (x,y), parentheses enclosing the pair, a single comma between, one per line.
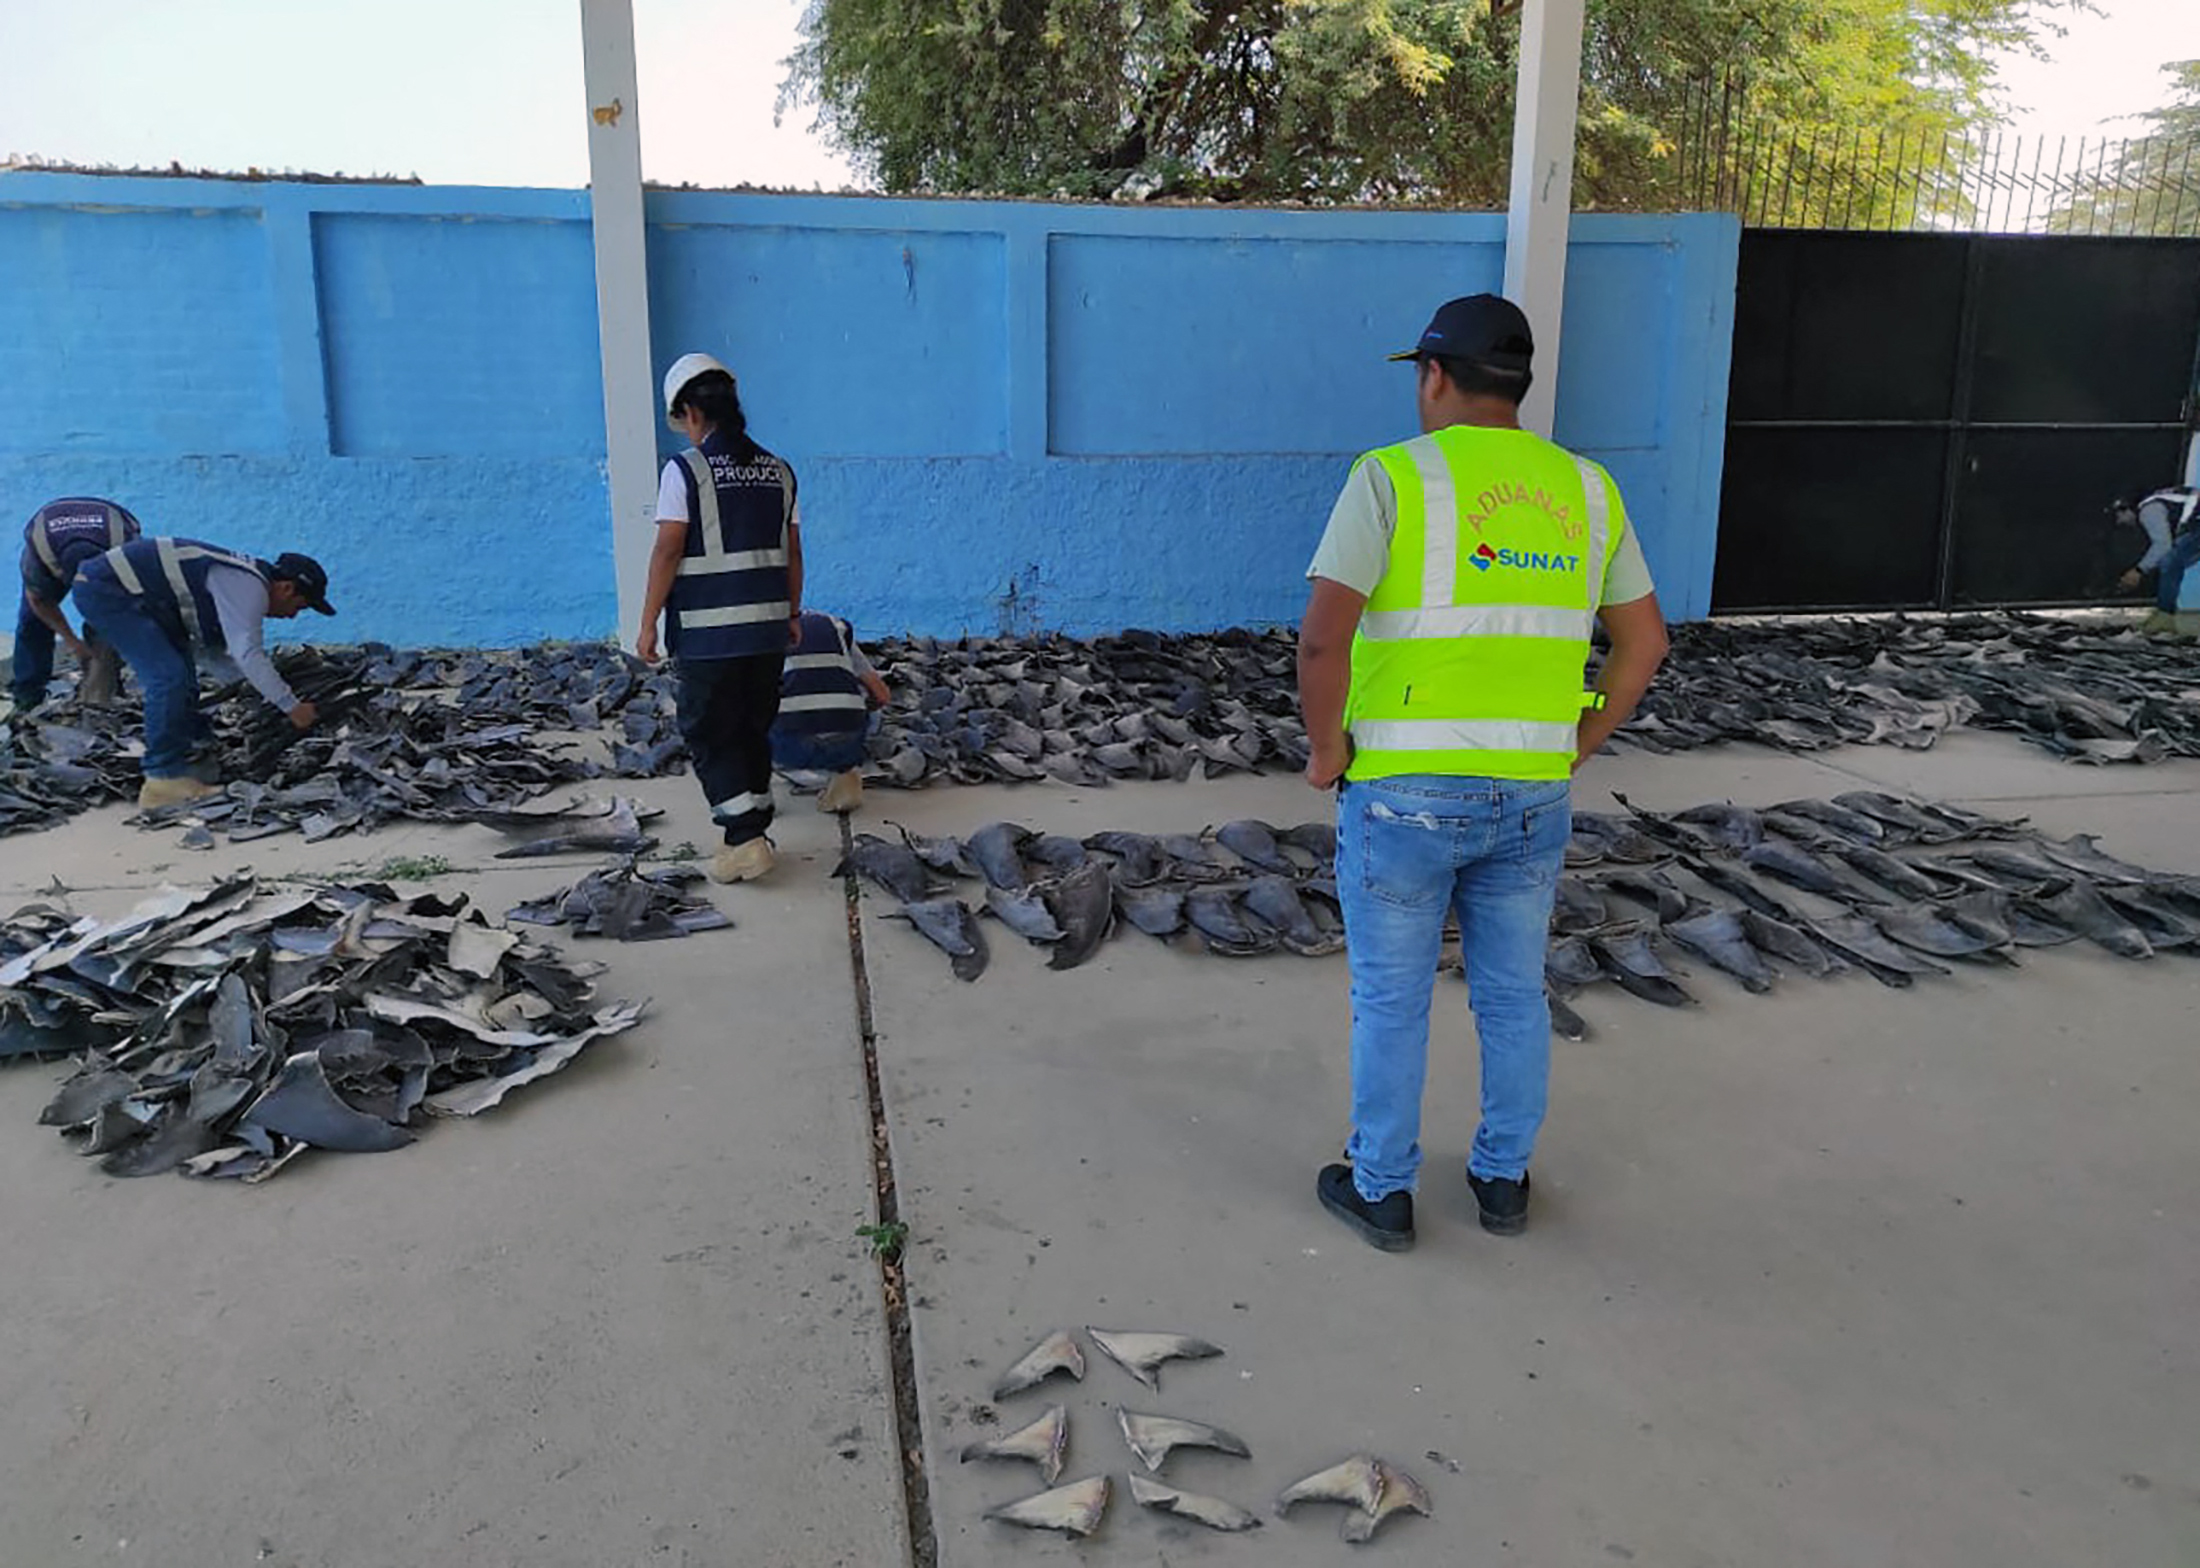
(726,577)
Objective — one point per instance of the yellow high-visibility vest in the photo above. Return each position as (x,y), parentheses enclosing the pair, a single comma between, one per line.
(1471,652)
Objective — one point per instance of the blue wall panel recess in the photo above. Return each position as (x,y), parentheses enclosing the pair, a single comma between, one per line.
(1007,416)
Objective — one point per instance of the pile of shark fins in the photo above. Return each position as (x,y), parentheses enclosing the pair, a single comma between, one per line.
(1899,889)
(223,1030)
(1246,888)
(1896,888)
(2093,690)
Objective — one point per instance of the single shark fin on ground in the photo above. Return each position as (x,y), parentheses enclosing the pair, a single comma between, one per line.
(1152,1437)
(1043,1442)
(1058,1352)
(1142,1355)
(1356,1482)
(1213,1512)
(1401,1494)
(1075,1509)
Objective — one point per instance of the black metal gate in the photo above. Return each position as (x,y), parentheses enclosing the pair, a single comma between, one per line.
(1933,420)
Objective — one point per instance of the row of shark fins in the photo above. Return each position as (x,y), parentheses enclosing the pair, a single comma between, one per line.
(1372,1490)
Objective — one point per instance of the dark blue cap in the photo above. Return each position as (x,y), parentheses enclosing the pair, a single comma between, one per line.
(309,577)
(1485,329)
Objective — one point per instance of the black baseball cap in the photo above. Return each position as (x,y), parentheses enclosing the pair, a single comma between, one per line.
(1485,329)
(308,574)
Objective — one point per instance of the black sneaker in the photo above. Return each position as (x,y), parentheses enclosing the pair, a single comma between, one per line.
(1388,1224)
(1504,1204)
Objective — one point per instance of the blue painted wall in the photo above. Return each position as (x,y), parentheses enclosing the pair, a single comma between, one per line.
(1004,415)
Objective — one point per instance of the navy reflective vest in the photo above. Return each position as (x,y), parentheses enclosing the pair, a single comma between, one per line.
(62,535)
(731,599)
(170,576)
(821,694)
(2183,504)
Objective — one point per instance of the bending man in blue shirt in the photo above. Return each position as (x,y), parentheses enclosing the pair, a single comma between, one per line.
(167,605)
(2171,519)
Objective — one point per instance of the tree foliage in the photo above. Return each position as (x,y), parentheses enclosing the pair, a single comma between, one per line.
(2152,186)
(1363,100)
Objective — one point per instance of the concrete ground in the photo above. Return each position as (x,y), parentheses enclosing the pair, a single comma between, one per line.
(1838,1275)
(623,1319)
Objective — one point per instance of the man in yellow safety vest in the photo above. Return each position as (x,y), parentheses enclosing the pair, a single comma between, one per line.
(1441,670)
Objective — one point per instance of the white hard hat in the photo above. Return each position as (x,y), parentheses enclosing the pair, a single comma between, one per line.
(685,369)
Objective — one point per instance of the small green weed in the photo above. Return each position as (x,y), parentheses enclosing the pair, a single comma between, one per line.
(886,1239)
(412,868)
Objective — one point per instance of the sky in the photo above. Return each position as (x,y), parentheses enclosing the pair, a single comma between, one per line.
(488,92)
(463,92)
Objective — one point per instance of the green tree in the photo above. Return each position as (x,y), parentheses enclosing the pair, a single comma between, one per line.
(1373,100)
(2152,186)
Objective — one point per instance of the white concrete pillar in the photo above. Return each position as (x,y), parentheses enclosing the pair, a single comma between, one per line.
(622,294)
(1546,103)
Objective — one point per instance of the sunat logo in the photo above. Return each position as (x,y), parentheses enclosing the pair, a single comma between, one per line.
(1523,560)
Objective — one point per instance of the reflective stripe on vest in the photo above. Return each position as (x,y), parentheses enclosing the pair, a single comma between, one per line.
(737,614)
(2182,502)
(731,596)
(1470,655)
(821,694)
(171,566)
(1462,735)
(125,573)
(82,521)
(170,575)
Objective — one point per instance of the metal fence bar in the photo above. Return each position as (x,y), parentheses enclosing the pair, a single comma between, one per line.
(2032,185)
(1990,176)
(1726,124)
(1917,190)
(1884,179)
(1894,188)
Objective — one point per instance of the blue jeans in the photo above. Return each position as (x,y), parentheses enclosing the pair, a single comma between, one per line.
(33,669)
(2183,551)
(34,649)
(833,751)
(166,673)
(1408,849)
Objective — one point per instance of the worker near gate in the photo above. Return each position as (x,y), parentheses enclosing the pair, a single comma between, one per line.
(726,577)
(1441,666)
(2171,519)
(825,699)
(169,605)
(60,537)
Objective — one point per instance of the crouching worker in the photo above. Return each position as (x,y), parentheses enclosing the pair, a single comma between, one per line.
(168,604)
(824,709)
(2171,519)
(60,537)
(726,576)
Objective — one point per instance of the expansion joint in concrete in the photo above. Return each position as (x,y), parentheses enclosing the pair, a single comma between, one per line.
(916,1486)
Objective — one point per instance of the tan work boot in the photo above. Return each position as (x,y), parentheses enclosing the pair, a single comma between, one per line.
(844,794)
(102,673)
(156,793)
(742,862)
(2158,623)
